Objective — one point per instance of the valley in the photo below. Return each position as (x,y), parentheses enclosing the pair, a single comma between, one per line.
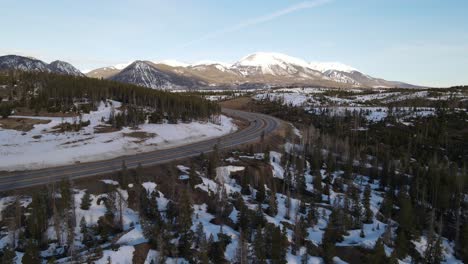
(105,171)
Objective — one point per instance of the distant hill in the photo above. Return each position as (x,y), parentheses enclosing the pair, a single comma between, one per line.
(261,69)
(15,62)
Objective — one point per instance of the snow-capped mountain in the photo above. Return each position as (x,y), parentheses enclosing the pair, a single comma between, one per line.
(14,62)
(331,66)
(145,73)
(257,69)
(63,67)
(275,64)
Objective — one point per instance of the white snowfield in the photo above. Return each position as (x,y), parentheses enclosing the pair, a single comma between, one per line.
(42,147)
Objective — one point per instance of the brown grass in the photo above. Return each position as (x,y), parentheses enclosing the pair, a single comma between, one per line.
(21,124)
(140,135)
(240,103)
(105,129)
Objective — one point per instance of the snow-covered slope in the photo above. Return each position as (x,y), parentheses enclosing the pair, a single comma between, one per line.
(63,67)
(14,62)
(145,73)
(259,69)
(331,66)
(269,63)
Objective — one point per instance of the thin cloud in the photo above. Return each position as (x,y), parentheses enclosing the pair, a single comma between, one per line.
(259,20)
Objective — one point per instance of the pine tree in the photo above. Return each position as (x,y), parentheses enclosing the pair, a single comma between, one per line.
(464,243)
(84,231)
(193,178)
(123,176)
(31,254)
(387,205)
(213,162)
(279,246)
(434,252)
(266,155)
(85,201)
(204,251)
(242,253)
(161,249)
(405,216)
(329,251)
(300,233)
(317,182)
(260,194)
(368,214)
(379,256)
(184,219)
(272,205)
(8,255)
(259,247)
(153,207)
(401,244)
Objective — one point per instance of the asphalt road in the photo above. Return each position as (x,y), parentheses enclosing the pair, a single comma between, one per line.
(258,123)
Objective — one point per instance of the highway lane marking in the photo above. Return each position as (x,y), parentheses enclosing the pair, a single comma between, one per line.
(155,154)
(134,157)
(269,122)
(161,159)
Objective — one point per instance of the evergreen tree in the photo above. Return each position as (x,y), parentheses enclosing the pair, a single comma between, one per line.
(317,183)
(279,246)
(185,209)
(193,178)
(405,216)
(242,253)
(464,243)
(31,254)
(123,176)
(85,231)
(8,255)
(434,251)
(260,194)
(368,214)
(85,201)
(401,244)
(259,247)
(272,205)
(213,162)
(379,256)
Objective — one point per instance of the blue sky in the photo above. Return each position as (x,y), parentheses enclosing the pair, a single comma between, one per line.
(421,42)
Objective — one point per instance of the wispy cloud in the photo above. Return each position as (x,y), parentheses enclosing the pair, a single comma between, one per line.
(259,20)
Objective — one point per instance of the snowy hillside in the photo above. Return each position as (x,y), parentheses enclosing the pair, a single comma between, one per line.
(14,62)
(267,68)
(333,66)
(146,74)
(44,146)
(63,67)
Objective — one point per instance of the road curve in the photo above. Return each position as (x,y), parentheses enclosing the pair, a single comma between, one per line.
(258,123)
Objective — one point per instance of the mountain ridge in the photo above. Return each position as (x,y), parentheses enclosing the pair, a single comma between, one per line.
(269,69)
(260,69)
(16,62)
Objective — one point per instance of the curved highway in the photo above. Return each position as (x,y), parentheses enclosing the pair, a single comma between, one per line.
(258,124)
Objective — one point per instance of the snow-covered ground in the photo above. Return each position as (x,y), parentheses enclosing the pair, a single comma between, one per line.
(44,147)
(316,97)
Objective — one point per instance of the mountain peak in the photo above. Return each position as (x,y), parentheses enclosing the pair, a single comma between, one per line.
(63,67)
(15,62)
(327,66)
(265,59)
